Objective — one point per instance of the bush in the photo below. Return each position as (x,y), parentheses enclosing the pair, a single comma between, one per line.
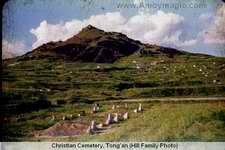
(60,102)
(219,115)
(76,99)
(127,85)
(33,106)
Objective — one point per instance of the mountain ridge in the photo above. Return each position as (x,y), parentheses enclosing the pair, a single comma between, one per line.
(95,45)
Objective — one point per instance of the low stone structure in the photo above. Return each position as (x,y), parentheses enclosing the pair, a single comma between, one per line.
(53,118)
(116,118)
(109,119)
(140,108)
(89,131)
(92,128)
(101,125)
(64,118)
(125,116)
(97,108)
(71,116)
(94,109)
(93,125)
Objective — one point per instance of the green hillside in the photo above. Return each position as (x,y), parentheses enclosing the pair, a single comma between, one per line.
(31,86)
(130,77)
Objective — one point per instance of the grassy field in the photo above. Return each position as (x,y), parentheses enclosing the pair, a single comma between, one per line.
(169,122)
(33,90)
(159,122)
(180,76)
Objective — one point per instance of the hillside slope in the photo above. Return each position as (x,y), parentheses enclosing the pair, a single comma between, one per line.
(95,45)
(56,80)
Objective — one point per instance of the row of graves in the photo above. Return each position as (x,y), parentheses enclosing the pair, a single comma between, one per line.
(76,125)
(111,118)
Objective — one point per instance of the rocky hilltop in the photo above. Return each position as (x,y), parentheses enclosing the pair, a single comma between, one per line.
(94,45)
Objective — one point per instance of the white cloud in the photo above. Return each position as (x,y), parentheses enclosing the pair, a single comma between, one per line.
(215,32)
(49,32)
(138,1)
(46,32)
(12,49)
(206,18)
(188,43)
(159,28)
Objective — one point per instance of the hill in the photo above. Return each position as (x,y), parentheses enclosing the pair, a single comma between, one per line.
(89,45)
(56,79)
(95,45)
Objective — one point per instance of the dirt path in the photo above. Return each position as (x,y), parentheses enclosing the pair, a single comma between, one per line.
(185,99)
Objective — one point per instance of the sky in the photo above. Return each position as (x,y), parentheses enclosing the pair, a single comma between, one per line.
(196,26)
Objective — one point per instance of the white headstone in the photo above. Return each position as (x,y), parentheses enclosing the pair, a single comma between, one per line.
(94,110)
(116,118)
(109,119)
(71,116)
(53,118)
(89,130)
(100,125)
(138,67)
(97,108)
(140,107)
(93,125)
(125,116)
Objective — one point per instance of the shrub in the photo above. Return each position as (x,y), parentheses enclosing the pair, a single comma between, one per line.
(60,102)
